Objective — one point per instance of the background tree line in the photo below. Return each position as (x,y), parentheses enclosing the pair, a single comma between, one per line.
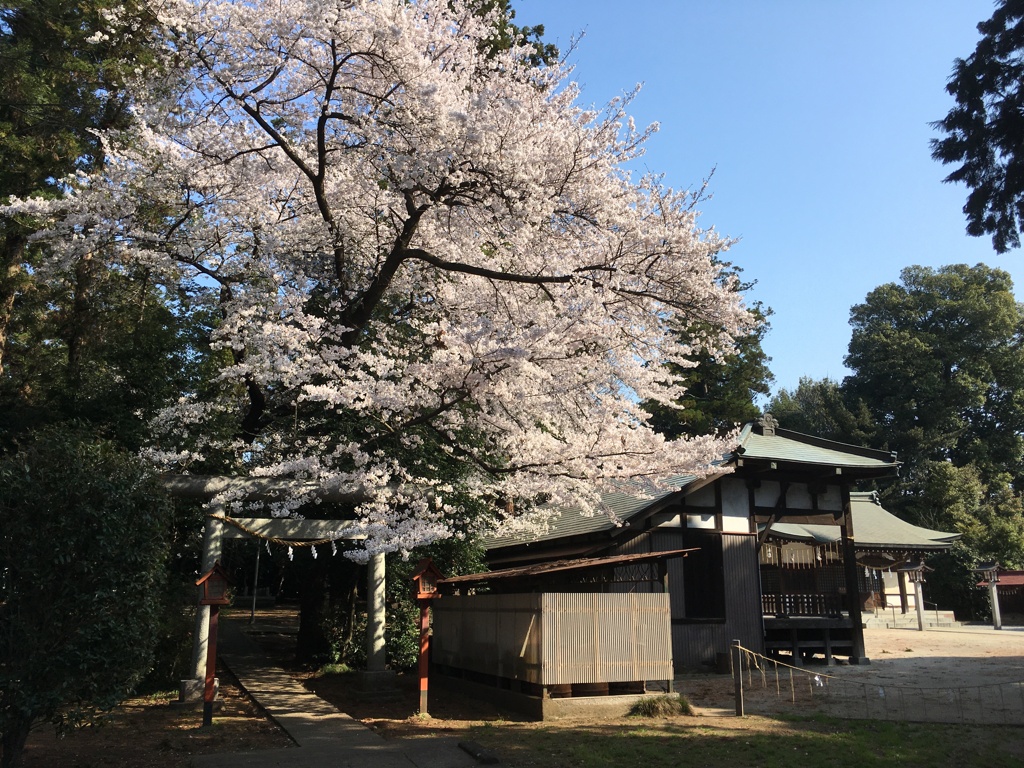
(938,365)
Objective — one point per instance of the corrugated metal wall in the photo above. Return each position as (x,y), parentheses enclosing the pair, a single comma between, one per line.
(695,643)
(606,638)
(491,634)
(556,638)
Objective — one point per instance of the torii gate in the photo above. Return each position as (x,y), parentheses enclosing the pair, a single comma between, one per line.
(219,527)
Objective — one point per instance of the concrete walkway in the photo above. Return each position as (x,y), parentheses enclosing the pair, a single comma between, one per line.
(324,736)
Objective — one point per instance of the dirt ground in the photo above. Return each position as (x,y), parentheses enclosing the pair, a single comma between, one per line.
(151,732)
(936,657)
(901,662)
(967,674)
(146,733)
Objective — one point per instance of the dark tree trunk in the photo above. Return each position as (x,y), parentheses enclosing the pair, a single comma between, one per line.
(80,324)
(13,741)
(313,646)
(10,278)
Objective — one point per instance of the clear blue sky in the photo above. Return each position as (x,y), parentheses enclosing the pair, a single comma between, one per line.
(815,115)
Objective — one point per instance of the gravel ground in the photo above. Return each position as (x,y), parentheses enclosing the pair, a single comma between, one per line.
(965,674)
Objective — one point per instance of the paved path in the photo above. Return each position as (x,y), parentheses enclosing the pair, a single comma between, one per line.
(324,736)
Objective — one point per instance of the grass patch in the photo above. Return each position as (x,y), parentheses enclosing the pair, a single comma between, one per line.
(328,670)
(754,741)
(661,706)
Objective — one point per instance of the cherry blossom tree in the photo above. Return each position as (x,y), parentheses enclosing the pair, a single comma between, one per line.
(439,281)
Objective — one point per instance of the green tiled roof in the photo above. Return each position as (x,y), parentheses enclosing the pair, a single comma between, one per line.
(783,446)
(571,522)
(803,449)
(873,528)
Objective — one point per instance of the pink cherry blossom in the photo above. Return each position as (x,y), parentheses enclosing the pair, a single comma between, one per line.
(441,245)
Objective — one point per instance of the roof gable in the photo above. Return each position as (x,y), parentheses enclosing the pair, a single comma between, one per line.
(762,445)
(766,442)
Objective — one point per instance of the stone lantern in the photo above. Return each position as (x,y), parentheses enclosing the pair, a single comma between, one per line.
(989,574)
(915,574)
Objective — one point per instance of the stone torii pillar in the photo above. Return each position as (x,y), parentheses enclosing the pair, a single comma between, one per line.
(192,687)
(259,489)
(376,659)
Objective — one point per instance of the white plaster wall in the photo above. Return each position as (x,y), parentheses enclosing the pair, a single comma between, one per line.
(701,521)
(735,502)
(735,506)
(767,493)
(798,496)
(702,497)
(831,500)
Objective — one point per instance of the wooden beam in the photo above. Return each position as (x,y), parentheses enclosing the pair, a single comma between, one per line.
(205,487)
(857,654)
(288,529)
(780,504)
(800,517)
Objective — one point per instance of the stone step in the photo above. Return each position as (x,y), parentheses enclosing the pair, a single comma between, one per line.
(932,618)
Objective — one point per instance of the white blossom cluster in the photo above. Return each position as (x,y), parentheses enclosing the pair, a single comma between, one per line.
(431,261)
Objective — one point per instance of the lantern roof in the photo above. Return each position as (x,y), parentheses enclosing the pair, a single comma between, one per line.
(218,571)
(426,567)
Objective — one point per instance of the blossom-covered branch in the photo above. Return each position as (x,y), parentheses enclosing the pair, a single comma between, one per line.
(436,270)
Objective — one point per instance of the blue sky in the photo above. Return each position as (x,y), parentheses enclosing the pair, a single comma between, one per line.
(815,116)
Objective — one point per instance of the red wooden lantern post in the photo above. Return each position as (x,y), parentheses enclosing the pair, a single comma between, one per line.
(213,591)
(425,584)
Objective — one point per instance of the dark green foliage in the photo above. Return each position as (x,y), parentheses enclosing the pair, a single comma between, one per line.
(953,583)
(95,344)
(988,516)
(59,83)
(938,361)
(82,562)
(983,130)
(108,354)
(721,391)
(172,656)
(507,34)
(820,408)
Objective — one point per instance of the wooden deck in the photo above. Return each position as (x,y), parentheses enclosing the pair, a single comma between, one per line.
(806,635)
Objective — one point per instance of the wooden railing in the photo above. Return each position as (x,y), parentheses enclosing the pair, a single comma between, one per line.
(802,605)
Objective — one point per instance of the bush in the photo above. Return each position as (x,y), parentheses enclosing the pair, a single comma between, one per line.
(661,706)
(82,566)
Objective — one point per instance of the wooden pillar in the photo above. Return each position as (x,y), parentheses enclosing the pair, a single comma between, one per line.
(783,602)
(424,660)
(210,682)
(853,600)
(901,577)
(919,603)
(736,654)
